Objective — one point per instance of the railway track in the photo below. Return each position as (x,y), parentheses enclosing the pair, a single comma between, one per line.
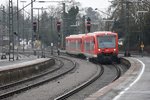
(97,76)
(118,70)
(73,91)
(64,66)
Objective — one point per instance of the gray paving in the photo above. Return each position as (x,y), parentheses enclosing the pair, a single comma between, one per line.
(133,85)
(22,58)
(141,89)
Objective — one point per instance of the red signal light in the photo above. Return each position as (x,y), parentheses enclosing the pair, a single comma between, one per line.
(34,26)
(58,26)
(88,24)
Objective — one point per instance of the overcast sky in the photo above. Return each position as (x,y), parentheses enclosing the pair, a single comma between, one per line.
(100,4)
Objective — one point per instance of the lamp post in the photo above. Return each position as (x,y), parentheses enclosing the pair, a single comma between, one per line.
(141,35)
(105,20)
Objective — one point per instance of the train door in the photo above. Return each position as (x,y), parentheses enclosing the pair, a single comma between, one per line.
(89,45)
(78,45)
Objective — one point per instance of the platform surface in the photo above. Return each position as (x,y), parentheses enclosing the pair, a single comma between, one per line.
(133,85)
(139,89)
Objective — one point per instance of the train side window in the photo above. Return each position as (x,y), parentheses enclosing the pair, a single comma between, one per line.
(78,45)
(91,45)
(87,46)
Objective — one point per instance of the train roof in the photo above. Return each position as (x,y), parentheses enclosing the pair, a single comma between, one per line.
(104,32)
(75,36)
(91,34)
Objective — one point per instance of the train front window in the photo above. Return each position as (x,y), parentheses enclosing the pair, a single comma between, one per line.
(106,42)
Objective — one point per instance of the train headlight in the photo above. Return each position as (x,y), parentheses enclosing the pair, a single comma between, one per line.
(114,49)
(99,49)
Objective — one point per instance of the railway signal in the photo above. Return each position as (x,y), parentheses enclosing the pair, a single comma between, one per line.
(58,29)
(58,26)
(59,36)
(88,24)
(34,26)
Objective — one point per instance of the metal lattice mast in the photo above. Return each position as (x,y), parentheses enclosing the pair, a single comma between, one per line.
(3,35)
(11,36)
(64,27)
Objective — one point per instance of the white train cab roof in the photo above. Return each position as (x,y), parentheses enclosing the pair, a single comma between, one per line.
(75,36)
(104,32)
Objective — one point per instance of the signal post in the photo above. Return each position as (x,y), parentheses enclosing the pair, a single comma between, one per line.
(35,36)
(59,36)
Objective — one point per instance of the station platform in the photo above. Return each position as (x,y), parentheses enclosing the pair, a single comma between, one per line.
(134,85)
(24,61)
(139,89)
(22,58)
(24,67)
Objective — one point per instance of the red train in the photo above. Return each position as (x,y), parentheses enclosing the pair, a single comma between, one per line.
(102,45)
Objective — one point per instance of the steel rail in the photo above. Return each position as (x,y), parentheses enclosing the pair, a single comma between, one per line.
(11,93)
(30,78)
(118,72)
(85,84)
(91,80)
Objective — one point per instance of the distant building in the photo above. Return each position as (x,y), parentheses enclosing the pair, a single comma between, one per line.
(4,38)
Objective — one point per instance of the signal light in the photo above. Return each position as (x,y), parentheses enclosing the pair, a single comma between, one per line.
(34,26)
(58,26)
(59,35)
(88,24)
